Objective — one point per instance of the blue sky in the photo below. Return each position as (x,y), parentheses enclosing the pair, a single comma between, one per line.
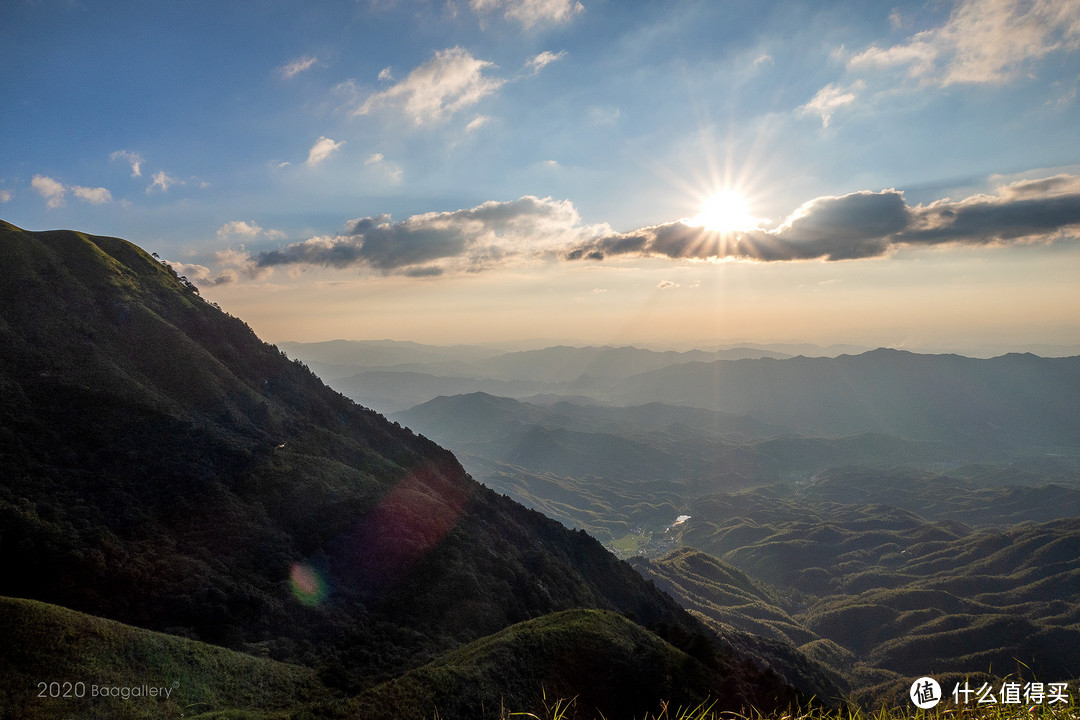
(904,174)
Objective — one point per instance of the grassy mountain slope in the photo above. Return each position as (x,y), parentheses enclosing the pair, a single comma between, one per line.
(608,665)
(163,467)
(878,592)
(59,647)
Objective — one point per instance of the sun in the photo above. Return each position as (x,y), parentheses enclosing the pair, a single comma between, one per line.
(725,211)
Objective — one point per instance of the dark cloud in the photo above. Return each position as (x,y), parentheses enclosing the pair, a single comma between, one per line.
(865,225)
(846,227)
(430,244)
(985,221)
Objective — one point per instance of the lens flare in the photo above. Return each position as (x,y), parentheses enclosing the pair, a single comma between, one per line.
(307,585)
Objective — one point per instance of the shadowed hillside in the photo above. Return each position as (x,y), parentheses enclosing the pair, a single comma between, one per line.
(164,467)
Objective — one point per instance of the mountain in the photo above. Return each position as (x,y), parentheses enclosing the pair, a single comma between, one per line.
(163,467)
(1008,402)
(624,472)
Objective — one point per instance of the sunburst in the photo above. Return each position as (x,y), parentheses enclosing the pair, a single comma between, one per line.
(725,211)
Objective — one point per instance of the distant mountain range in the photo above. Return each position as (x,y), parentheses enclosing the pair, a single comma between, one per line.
(1000,404)
(162,467)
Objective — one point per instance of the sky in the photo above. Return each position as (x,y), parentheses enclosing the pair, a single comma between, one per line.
(680,173)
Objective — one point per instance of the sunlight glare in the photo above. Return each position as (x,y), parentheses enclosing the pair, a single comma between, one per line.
(725,211)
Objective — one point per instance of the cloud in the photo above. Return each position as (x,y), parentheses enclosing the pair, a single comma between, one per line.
(132,158)
(235,264)
(829,99)
(530,12)
(866,225)
(983,41)
(323,148)
(451,81)
(477,122)
(538,63)
(54,191)
(469,240)
(96,196)
(5,196)
(297,66)
(244,230)
(392,170)
(194,273)
(667,285)
(163,181)
(50,189)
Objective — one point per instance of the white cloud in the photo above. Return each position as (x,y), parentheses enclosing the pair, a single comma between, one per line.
(531,12)
(192,272)
(297,66)
(96,196)
(983,41)
(829,99)
(239,228)
(133,158)
(246,230)
(386,74)
(50,189)
(5,196)
(323,148)
(163,181)
(477,122)
(667,285)
(544,59)
(451,81)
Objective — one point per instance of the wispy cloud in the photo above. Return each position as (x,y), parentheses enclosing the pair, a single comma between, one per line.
(323,148)
(530,13)
(477,122)
(538,63)
(829,99)
(162,181)
(5,196)
(450,81)
(983,41)
(867,225)
(297,66)
(392,170)
(132,158)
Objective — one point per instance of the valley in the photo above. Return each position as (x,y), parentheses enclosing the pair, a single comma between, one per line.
(881,555)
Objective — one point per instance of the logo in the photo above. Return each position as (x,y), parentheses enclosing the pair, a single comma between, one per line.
(925,693)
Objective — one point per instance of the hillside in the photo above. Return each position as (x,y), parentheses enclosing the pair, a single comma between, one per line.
(55,662)
(165,468)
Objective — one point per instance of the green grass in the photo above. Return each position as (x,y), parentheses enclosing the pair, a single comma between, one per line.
(82,654)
